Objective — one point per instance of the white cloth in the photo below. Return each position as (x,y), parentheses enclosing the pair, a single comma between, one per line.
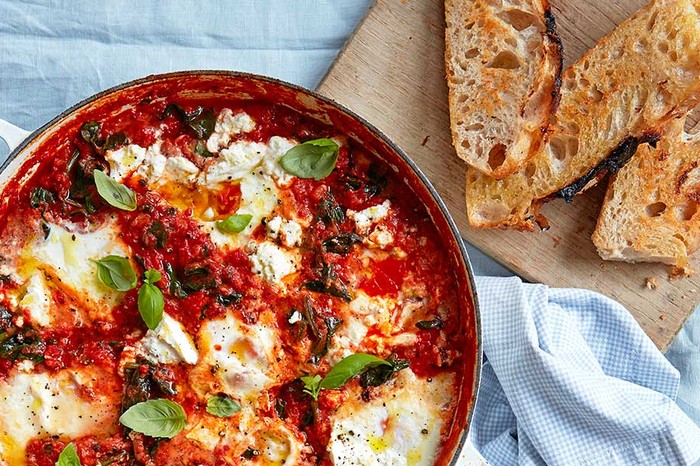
(571,379)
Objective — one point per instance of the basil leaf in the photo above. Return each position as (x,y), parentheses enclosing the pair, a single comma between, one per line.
(312,385)
(150,300)
(155,418)
(116,272)
(348,368)
(311,159)
(222,406)
(234,223)
(430,324)
(116,194)
(69,456)
(40,196)
(152,276)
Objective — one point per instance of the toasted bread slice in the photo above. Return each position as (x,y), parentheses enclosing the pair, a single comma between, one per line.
(503,65)
(637,78)
(650,212)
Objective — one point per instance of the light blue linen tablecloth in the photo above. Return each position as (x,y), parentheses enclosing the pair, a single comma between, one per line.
(570,377)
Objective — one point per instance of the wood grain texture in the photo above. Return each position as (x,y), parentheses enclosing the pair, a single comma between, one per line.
(392,73)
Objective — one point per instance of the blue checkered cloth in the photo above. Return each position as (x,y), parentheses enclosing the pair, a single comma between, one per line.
(571,379)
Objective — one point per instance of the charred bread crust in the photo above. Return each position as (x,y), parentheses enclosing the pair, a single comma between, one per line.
(556,52)
(611,164)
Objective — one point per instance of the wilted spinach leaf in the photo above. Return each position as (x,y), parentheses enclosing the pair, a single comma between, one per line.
(430,324)
(157,229)
(200,121)
(341,244)
(376,376)
(24,343)
(197,279)
(115,140)
(175,285)
(329,211)
(41,196)
(228,299)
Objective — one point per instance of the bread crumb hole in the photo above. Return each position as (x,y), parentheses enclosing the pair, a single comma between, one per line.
(570,85)
(596,95)
(465,144)
(505,60)
(517,18)
(663,47)
(662,101)
(470,82)
(652,21)
(474,127)
(655,209)
(497,155)
(685,212)
(530,170)
(471,53)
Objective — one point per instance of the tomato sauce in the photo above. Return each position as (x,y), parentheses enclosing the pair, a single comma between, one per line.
(201,281)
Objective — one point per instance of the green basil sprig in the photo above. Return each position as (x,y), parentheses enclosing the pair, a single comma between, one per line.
(116,272)
(312,385)
(311,159)
(158,418)
(338,376)
(116,194)
(69,456)
(234,223)
(222,406)
(150,299)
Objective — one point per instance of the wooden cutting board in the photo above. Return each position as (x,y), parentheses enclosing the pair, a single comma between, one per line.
(392,73)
